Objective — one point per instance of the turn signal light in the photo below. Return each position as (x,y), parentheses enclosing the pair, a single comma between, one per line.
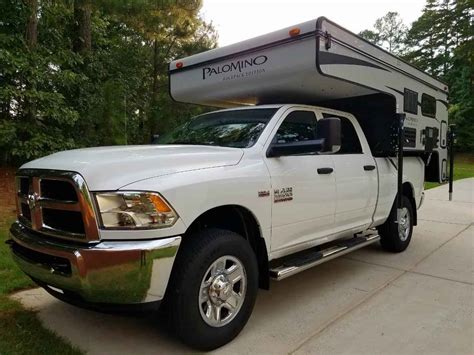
(294,32)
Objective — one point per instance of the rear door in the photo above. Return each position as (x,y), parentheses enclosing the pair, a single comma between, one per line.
(303,200)
(356,177)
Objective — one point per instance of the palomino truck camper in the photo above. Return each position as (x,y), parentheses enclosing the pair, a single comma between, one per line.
(320,63)
(322,147)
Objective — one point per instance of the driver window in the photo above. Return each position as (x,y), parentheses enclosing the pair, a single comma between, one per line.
(350,143)
(298,126)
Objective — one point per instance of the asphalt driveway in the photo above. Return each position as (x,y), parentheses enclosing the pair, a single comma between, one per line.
(368,302)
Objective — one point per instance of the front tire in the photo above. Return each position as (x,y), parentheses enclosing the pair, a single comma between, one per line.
(395,237)
(213,288)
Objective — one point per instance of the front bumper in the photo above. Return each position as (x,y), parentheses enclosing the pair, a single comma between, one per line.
(112,272)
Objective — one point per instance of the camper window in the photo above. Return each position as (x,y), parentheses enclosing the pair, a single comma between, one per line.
(410,101)
(350,143)
(298,126)
(428,105)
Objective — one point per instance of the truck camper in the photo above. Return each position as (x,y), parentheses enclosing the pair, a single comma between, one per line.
(321,145)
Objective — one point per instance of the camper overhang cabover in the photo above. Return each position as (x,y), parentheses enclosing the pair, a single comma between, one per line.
(320,63)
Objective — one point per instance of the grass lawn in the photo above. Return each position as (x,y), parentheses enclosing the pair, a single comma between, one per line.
(20,330)
(463,168)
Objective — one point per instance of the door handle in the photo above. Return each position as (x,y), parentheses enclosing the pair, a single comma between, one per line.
(325,170)
(369,167)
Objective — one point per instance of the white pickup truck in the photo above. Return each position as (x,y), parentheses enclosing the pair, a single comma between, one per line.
(234,197)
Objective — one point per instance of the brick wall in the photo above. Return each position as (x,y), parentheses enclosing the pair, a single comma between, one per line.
(7,195)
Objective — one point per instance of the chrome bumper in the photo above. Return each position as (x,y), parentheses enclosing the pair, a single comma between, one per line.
(114,272)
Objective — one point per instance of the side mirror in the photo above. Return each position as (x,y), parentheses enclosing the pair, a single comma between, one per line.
(329,131)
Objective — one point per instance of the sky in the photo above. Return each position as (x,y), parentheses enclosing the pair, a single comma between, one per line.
(237,20)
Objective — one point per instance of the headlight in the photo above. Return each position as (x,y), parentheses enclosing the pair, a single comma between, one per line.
(134,210)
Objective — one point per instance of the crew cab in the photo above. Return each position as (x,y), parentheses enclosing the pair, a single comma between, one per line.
(235,197)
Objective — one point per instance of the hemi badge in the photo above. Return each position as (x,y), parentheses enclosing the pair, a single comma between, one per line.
(283,194)
(264,193)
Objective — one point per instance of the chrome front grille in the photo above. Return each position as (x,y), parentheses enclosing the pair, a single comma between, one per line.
(57,204)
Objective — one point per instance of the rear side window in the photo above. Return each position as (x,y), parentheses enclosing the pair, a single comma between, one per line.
(298,126)
(410,101)
(350,143)
(428,105)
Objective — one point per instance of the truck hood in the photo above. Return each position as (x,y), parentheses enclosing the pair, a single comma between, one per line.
(110,168)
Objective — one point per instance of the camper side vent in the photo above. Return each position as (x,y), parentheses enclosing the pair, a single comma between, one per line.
(410,137)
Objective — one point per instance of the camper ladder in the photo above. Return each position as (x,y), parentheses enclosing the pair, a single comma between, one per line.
(400,143)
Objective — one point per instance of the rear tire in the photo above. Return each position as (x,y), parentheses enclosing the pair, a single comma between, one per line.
(213,288)
(395,238)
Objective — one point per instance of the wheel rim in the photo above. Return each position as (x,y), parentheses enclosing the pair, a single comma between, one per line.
(222,291)
(404,224)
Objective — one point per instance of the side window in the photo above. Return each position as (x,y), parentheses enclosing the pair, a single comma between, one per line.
(350,143)
(298,126)
(410,101)
(428,105)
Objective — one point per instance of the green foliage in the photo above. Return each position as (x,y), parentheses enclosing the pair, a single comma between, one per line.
(371,36)
(389,32)
(440,43)
(461,111)
(54,97)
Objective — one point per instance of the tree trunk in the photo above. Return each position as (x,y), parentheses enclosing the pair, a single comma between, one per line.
(31,35)
(31,39)
(447,29)
(82,18)
(152,123)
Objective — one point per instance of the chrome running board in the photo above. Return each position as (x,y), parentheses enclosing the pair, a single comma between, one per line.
(303,261)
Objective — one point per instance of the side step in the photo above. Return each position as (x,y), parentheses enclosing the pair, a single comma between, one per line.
(296,264)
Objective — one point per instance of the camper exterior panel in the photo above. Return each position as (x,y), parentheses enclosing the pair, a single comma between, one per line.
(248,78)
(279,74)
(324,62)
(357,43)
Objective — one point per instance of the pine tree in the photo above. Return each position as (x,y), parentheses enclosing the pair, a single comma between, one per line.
(389,33)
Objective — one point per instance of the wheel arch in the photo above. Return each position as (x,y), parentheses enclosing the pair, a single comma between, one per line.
(242,221)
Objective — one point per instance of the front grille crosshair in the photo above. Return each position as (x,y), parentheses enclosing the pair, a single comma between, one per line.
(64,220)
(60,190)
(57,204)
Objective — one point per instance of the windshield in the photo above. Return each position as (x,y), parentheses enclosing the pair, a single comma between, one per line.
(237,128)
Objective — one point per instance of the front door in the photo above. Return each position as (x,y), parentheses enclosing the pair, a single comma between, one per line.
(303,186)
